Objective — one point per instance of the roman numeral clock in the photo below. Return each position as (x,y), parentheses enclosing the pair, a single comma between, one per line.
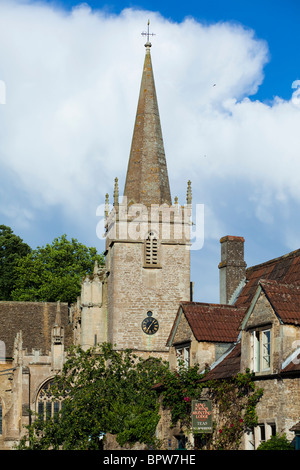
(150,325)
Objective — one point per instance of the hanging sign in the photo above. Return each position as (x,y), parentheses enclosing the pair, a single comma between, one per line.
(202,416)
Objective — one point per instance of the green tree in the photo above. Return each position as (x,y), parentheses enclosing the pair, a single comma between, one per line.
(54,272)
(105,391)
(276,443)
(12,250)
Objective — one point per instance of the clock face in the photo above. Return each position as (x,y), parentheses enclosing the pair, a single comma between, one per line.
(150,325)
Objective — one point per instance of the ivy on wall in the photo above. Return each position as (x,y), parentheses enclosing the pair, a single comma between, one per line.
(234,405)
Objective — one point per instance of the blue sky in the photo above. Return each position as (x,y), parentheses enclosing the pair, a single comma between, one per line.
(276,21)
(72,78)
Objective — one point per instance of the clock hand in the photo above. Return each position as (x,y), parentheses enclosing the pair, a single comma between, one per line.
(149,326)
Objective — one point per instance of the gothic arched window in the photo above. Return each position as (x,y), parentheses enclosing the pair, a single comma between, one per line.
(47,405)
(151,250)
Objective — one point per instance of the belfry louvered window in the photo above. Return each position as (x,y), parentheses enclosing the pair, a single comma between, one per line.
(151,250)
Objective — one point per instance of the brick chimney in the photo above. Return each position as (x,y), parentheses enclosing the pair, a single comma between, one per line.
(232,266)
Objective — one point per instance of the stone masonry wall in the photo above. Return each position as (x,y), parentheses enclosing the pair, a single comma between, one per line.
(133,290)
(202,353)
(280,404)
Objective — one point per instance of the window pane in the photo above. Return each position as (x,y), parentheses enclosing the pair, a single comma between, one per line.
(56,409)
(257,351)
(261,350)
(179,356)
(266,349)
(41,409)
(186,357)
(273,429)
(183,357)
(262,432)
(48,409)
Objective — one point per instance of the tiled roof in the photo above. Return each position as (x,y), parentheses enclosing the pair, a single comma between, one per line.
(229,367)
(285,269)
(35,320)
(213,322)
(285,300)
(280,280)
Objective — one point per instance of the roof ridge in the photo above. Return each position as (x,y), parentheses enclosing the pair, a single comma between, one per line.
(208,304)
(32,302)
(278,283)
(274,260)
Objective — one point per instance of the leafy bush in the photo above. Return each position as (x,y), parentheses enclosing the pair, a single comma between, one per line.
(276,443)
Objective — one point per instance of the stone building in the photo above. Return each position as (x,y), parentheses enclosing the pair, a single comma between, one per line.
(34,338)
(141,300)
(203,332)
(258,330)
(131,302)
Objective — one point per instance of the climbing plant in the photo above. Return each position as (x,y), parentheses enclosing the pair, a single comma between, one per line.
(234,405)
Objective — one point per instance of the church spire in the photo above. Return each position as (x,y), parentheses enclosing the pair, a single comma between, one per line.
(147,180)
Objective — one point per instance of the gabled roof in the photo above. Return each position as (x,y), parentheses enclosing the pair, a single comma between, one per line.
(210,322)
(285,300)
(228,367)
(285,269)
(280,280)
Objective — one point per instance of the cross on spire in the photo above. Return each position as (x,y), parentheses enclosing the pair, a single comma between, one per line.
(148,34)
(147,180)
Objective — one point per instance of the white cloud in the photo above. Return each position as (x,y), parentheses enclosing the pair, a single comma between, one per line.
(72,83)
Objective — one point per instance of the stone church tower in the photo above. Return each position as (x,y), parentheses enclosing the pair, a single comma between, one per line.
(132,303)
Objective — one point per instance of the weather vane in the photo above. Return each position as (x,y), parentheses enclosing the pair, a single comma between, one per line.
(147,33)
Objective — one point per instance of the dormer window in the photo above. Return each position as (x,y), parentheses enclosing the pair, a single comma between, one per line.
(183,356)
(151,250)
(261,350)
